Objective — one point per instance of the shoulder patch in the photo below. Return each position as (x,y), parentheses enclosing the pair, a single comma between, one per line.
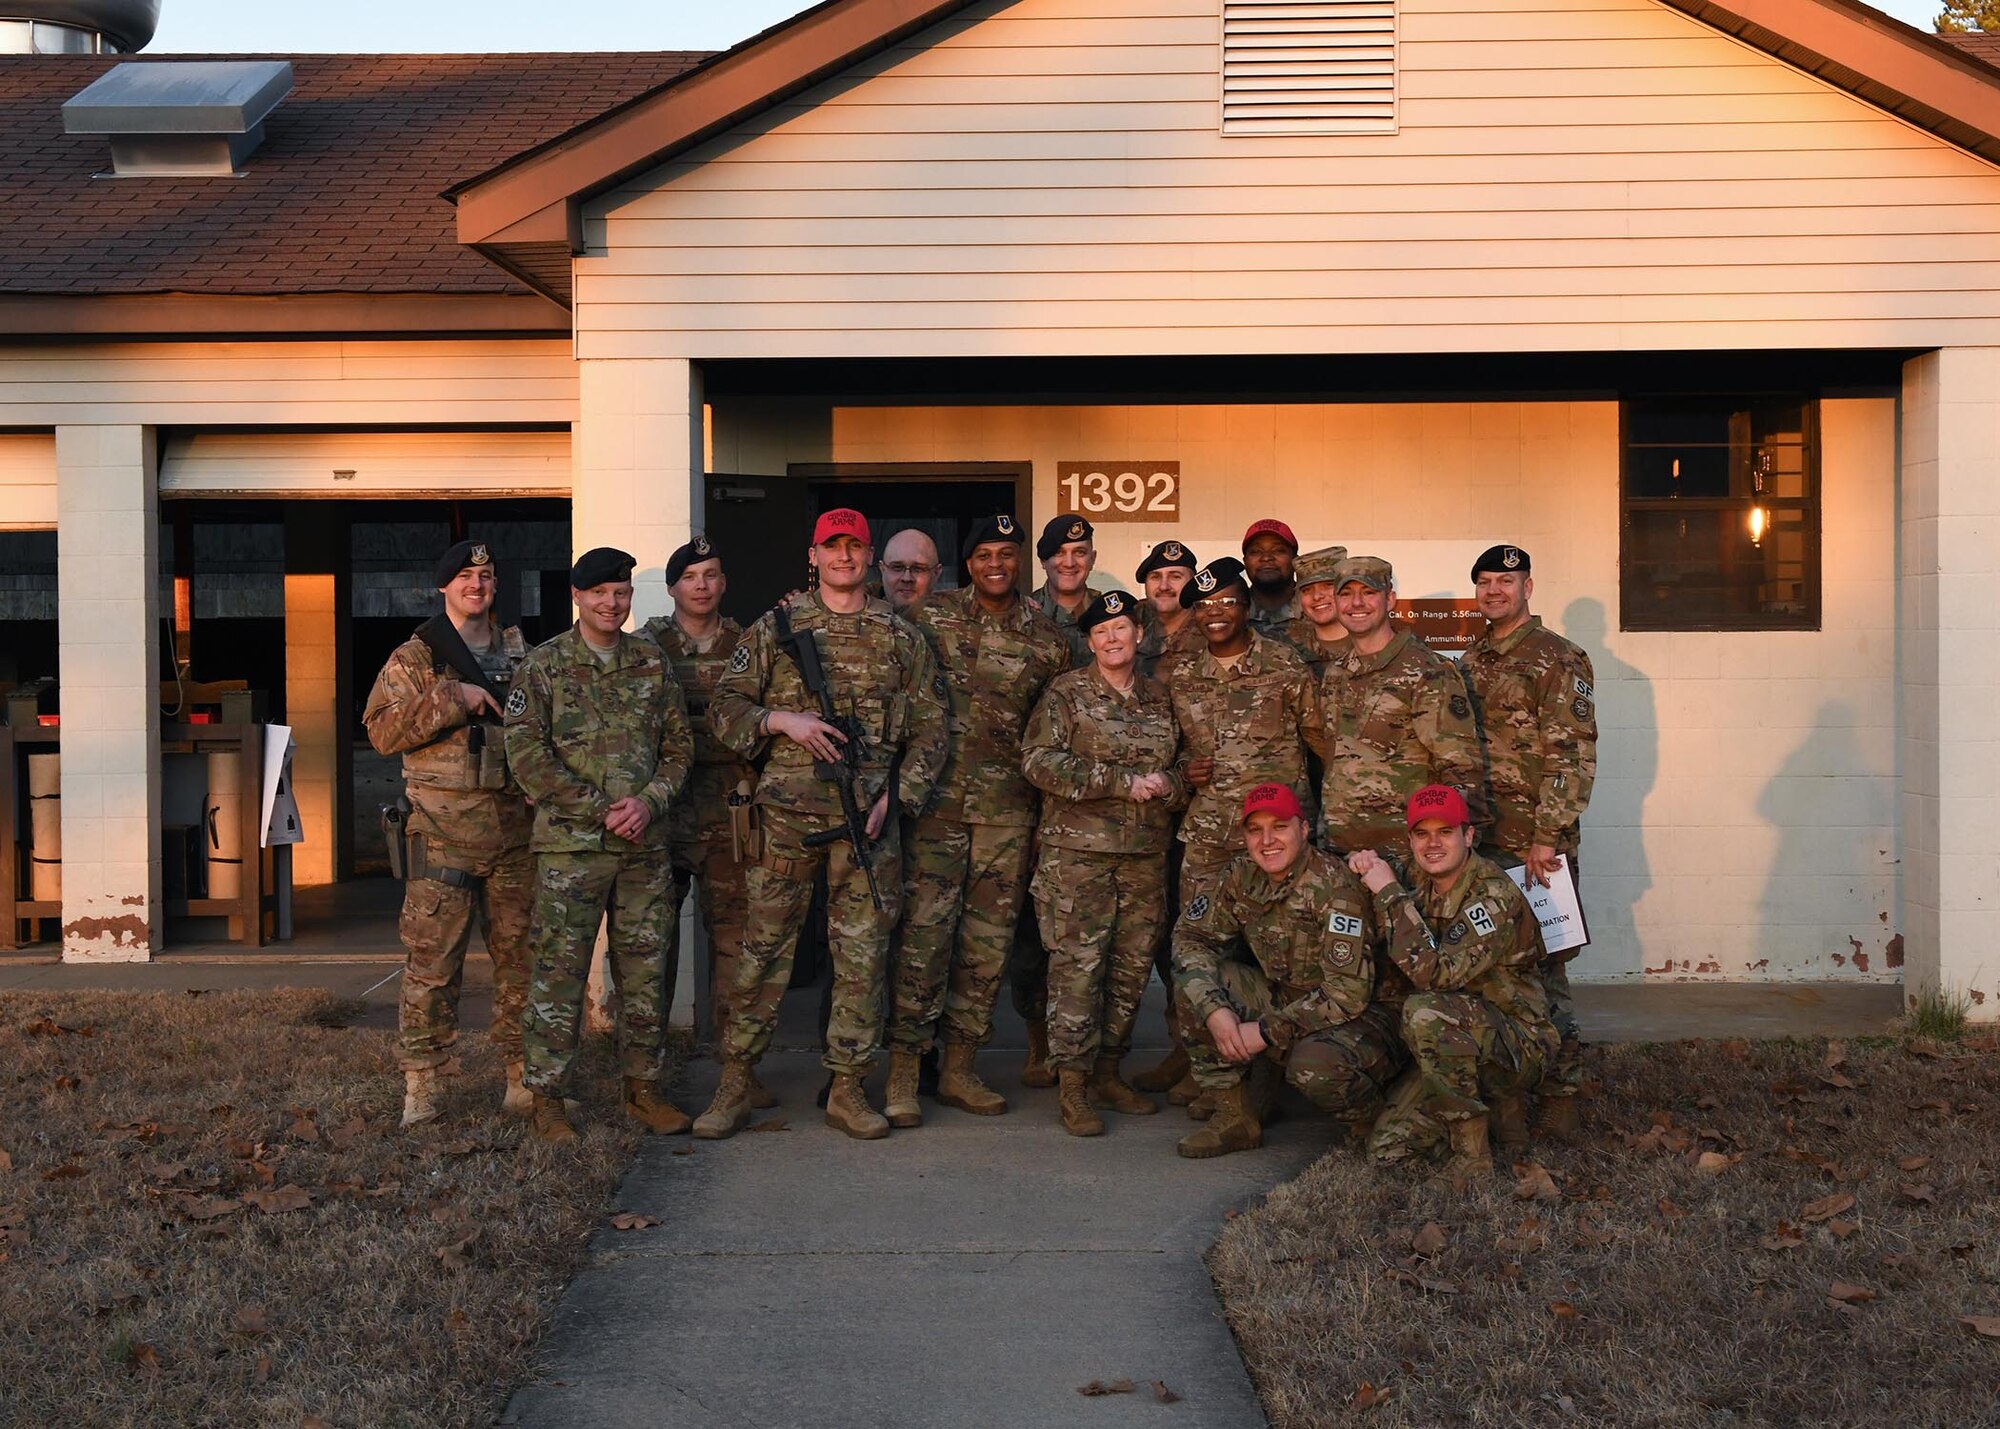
(517,703)
(1481,920)
(1579,708)
(1198,909)
(1344,925)
(739,660)
(1461,708)
(1455,933)
(1583,689)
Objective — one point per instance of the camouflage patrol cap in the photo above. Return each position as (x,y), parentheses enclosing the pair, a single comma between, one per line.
(1371,571)
(1167,553)
(1316,566)
(693,553)
(465,555)
(1112,605)
(1506,559)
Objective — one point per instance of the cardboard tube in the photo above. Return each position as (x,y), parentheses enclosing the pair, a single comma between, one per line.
(222,825)
(45,826)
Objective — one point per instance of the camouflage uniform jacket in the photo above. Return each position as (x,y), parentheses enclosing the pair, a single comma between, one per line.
(414,710)
(1085,746)
(879,670)
(995,667)
(1478,936)
(1532,690)
(1256,720)
(1312,932)
(1275,624)
(582,734)
(1398,719)
(717,770)
(1317,653)
(1160,654)
(1071,632)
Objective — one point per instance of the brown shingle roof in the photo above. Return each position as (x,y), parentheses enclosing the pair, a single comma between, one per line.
(343,197)
(1979,46)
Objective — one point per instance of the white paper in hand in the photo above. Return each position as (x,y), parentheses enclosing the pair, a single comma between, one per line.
(1557,907)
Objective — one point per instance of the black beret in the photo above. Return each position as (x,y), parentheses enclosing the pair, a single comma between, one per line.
(1167,553)
(1000,527)
(599,567)
(1060,532)
(1109,606)
(1501,558)
(1224,573)
(694,551)
(465,553)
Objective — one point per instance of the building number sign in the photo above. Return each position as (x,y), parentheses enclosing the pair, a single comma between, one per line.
(1119,490)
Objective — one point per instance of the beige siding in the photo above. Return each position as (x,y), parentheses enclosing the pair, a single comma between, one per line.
(288,383)
(376,463)
(1047,176)
(27,481)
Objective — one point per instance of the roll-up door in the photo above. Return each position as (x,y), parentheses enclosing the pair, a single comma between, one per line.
(27,481)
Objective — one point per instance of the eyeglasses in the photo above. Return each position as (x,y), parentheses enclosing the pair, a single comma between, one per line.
(905,569)
(1218,604)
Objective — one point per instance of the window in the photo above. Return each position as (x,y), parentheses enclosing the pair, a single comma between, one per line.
(1308,66)
(1721,514)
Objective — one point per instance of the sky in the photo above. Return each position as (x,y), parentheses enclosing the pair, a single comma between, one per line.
(418,26)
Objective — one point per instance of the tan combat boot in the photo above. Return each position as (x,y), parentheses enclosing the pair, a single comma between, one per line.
(959,1084)
(729,1111)
(420,1096)
(1073,1101)
(761,1096)
(899,1098)
(1202,1107)
(1109,1089)
(547,1122)
(1471,1155)
(645,1104)
(1168,1072)
(1508,1123)
(847,1110)
(1035,1071)
(1234,1127)
(1557,1119)
(517,1100)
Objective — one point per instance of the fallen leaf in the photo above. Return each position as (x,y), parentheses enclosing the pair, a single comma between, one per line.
(303,1127)
(1426,1282)
(1163,1394)
(143,1357)
(684,1151)
(289,1197)
(633,1221)
(1923,1193)
(1534,1183)
(1827,1207)
(1098,1388)
(342,1136)
(6,1163)
(261,1371)
(118,1300)
(1737,1049)
(66,1083)
(1842,1229)
(250,1320)
(67,1172)
(1987,1325)
(1562,1309)
(457,1254)
(1913,1163)
(1835,1079)
(458,1322)
(1712,1163)
(1709,1103)
(1848,1293)
(313,1421)
(1594,1236)
(1923,1047)
(1836,1053)
(1669,1211)
(1429,1240)
(1785,1237)
(776,1123)
(1930,1104)
(1368,1396)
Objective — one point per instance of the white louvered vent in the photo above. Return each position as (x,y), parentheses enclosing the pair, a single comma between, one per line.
(1308,66)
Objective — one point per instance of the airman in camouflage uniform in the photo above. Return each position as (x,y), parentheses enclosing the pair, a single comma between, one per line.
(1317,634)
(965,867)
(1478,1025)
(698,639)
(1306,1003)
(881,675)
(1068,553)
(472,821)
(1269,551)
(597,734)
(1398,718)
(1532,691)
(1101,750)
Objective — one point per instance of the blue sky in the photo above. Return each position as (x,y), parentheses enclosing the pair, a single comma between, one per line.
(427,25)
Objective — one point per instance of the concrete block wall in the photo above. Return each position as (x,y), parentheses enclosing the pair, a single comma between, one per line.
(1745,820)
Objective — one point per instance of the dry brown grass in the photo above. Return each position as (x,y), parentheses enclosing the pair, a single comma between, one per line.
(387,1278)
(1699,1264)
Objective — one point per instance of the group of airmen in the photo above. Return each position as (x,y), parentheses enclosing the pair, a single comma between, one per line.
(1249,777)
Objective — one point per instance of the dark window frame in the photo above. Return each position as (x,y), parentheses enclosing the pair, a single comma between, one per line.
(1644,616)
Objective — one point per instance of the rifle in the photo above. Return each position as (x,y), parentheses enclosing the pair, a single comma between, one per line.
(448,647)
(844,773)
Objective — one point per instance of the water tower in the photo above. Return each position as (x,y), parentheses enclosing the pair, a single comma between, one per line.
(76,27)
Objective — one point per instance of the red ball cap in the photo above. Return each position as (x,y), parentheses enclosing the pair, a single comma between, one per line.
(1271,528)
(841,521)
(1438,801)
(1272,799)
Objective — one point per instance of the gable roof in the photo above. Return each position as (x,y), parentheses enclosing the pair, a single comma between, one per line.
(341,203)
(524,213)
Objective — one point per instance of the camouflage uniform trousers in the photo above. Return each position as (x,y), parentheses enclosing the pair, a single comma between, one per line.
(1465,1051)
(631,893)
(779,889)
(436,928)
(963,886)
(1565,1074)
(1101,915)
(722,893)
(1345,1070)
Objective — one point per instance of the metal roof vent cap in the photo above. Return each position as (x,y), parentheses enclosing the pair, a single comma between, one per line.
(180,118)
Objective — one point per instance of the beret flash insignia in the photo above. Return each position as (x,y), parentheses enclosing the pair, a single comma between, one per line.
(1205,581)
(517,703)
(1172,550)
(1197,910)
(1077,531)
(740,660)
(1114,604)
(1455,933)
(479,556)
(1460,707)
(1004,525)
(702,548)
(1511,558)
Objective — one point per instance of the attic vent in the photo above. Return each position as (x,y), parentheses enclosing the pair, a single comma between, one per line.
(180,118)
(1308,66)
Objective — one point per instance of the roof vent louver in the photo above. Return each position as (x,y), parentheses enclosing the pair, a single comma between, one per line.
(180,118)
(1308,66)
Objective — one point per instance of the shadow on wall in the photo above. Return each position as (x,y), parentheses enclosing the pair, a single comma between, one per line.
(1836,851)
(1615,871)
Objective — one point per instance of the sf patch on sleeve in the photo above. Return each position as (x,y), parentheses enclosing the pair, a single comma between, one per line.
(1481,920)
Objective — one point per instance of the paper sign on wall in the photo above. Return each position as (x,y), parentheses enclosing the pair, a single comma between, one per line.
(281,810)
(1557,908)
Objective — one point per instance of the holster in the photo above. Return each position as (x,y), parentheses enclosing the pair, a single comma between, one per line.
(746,829)
(395,834)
